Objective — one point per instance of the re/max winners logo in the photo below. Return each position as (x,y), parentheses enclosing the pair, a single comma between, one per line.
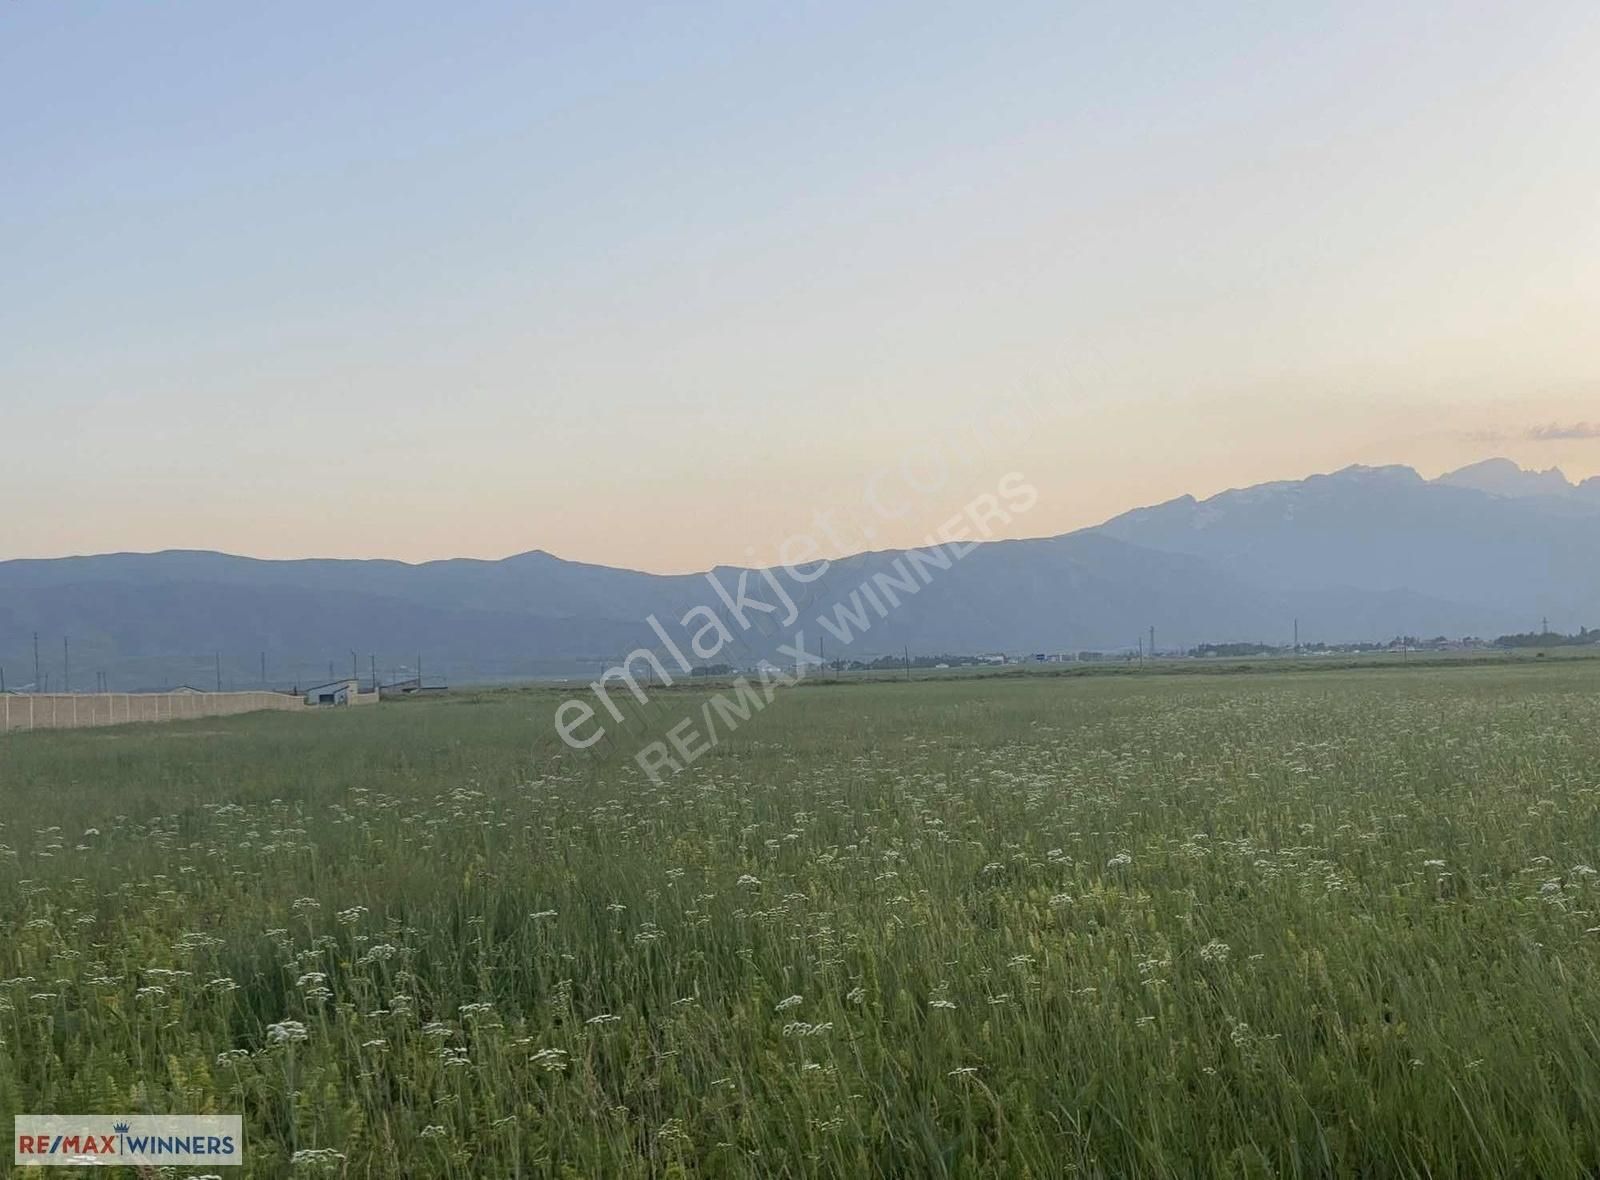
(45,1140)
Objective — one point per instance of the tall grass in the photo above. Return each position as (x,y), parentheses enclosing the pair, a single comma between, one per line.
(1288,925)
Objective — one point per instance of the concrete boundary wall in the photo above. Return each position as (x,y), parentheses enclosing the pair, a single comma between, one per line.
(80,710)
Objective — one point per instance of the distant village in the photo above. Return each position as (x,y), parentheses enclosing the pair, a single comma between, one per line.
(1399,645)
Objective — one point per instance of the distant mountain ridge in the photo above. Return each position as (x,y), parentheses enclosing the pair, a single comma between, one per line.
(1512,553)
(1502,477)
(1359,554)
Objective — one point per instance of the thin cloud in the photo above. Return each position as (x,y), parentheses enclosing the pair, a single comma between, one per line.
(1564,432)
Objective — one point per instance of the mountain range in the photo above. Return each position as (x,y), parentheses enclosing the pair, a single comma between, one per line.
(1365,553)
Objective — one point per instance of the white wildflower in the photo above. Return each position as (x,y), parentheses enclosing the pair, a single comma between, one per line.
(286,1032)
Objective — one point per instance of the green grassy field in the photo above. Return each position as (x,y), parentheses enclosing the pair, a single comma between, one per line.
(1314,923)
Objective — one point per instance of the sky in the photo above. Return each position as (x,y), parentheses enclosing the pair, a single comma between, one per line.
(658,286)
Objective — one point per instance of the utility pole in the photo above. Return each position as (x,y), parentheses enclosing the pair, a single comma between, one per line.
(66,664)
(374,657)
(908,663)
(1297,635)
(37,680)
(219,671)
(1152,643)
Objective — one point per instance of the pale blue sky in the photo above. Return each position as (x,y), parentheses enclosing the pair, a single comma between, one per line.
(651,286)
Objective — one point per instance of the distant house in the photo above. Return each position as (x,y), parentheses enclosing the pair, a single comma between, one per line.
(337,692)
(187,690)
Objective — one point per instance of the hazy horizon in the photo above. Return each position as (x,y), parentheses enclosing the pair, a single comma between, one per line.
(769,557)
(652,288)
